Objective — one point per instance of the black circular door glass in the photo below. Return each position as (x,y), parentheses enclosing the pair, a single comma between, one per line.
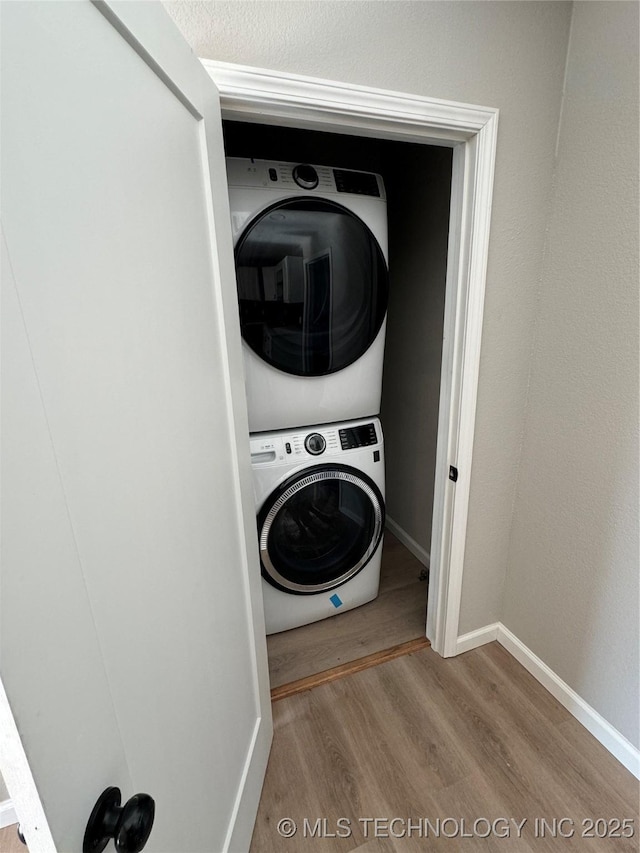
(312,286)
(320,529)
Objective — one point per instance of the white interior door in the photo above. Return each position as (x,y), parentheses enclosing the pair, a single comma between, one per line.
(132,637)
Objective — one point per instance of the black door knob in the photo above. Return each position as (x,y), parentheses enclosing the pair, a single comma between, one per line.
(129,825)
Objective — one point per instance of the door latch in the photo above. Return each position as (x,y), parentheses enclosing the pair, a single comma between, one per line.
(453,473)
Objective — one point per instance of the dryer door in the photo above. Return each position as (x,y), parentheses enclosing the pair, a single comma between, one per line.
(320,528)
(312,286)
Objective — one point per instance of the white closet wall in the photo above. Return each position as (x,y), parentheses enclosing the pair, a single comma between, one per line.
(418,188)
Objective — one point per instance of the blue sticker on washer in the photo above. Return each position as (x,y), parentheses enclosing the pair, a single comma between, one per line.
(336,600)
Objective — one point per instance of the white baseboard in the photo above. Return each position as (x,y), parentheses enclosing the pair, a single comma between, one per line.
(477,638)
(8,814)
(417,550)
(618,745)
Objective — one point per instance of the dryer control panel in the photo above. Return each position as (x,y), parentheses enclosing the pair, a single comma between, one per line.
(302,177)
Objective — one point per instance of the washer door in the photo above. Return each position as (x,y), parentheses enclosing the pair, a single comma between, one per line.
(319,529)
(312,286)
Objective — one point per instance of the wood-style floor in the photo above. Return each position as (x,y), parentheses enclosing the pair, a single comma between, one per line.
(9,841)
(470,739)
(398,614)
(473,738)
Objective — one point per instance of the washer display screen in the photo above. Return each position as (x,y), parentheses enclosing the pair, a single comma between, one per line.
(312,286)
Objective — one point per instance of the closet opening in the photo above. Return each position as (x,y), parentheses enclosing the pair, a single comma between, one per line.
(417,182)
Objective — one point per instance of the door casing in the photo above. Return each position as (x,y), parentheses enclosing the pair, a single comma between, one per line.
(272,97)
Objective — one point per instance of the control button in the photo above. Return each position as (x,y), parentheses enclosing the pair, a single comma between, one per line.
(287,447)
(305,176)
(315,443)
(273,174)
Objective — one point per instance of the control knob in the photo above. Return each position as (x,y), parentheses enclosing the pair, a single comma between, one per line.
(315,443)
(305,176)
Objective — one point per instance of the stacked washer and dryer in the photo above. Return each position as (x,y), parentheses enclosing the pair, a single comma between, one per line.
(311,268)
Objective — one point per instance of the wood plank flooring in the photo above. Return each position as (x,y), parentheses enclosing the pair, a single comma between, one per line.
(397,615)
(465,738)
(9,841)
(346,669)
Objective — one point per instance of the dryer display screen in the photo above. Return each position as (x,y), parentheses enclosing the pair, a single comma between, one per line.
(312,286)
(360,183)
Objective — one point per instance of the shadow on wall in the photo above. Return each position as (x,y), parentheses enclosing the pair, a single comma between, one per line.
(419,200)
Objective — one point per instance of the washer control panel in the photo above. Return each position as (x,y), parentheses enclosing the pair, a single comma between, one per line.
(268,448)
(358,436)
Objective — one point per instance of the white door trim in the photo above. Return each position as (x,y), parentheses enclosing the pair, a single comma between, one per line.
(273,97)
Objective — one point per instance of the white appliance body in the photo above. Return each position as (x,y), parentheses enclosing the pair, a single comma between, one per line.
(311,266)
(320,511)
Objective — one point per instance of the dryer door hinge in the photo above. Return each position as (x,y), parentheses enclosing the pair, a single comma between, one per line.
(453,473)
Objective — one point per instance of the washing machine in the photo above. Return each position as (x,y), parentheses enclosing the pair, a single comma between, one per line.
(320,511)
(311,269)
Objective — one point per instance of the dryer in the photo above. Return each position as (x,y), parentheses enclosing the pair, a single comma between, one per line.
(311,268)
(320,512)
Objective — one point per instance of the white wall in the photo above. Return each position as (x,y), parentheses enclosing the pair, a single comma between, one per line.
(418,183)
(572,585)
(509,55)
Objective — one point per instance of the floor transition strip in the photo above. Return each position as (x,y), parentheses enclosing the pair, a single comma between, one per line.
(349,668)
